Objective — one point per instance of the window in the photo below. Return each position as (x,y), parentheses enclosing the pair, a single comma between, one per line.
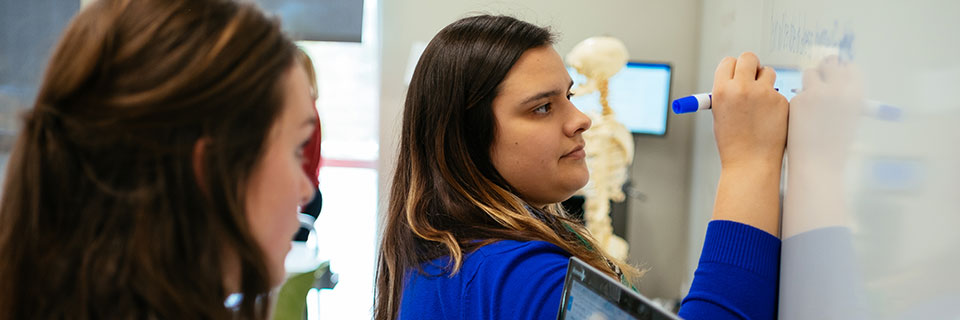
(348,104)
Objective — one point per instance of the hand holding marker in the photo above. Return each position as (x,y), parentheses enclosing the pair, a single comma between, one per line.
(695,102)
(702,101)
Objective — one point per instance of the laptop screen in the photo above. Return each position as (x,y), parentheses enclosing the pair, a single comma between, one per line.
(591,295)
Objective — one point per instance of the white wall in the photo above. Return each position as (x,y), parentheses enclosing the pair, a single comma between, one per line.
(657,30)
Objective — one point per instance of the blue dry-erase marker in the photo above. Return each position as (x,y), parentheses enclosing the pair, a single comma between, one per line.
(701,101)
(695,102)
(692,103)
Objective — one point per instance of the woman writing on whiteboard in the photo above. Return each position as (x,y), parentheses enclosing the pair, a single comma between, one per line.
(490,145)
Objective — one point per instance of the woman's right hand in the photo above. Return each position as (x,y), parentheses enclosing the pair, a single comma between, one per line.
(749,115)
(750,125)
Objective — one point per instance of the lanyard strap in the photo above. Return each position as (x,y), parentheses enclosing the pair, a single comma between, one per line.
(616,269)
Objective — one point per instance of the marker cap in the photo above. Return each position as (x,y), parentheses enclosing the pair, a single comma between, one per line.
(686,105)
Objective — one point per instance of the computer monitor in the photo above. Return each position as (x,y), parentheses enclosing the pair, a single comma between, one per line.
(789,81)
(639,94)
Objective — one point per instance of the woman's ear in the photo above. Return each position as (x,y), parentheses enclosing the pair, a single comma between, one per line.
(199,164)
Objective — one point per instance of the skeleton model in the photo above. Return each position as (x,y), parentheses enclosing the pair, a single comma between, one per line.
(609,145)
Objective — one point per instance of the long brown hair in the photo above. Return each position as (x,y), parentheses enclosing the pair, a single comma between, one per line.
(447,198)
(105,212)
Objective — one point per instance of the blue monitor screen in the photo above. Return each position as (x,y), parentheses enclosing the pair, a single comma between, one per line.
(789,81)
(639,94)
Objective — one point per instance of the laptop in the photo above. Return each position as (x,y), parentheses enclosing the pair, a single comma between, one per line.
(589,294)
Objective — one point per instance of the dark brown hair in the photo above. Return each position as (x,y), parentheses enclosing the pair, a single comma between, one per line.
(103,214)
(447,198)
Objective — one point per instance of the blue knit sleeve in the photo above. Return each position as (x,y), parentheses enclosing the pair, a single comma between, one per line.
(523,282)
(737,274)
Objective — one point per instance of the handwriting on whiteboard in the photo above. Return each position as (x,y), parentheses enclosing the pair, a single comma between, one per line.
(794,33)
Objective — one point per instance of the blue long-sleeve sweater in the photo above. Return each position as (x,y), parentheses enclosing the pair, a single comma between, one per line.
(736,279)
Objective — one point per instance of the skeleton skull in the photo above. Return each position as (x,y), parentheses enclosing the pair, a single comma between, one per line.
(597,58)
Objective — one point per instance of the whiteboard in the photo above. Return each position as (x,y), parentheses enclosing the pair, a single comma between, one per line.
(872,188)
